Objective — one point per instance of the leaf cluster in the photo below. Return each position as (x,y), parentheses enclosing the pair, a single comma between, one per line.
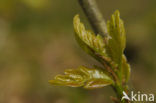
(108,50)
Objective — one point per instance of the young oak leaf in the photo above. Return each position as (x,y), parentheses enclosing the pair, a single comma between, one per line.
(95,42)
(86,77)
(92,44)
(117,39)
(125,69)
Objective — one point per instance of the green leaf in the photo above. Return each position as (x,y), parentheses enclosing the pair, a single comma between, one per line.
(95,42)
(125,72)
(89,42)
(86,77)
(116,38)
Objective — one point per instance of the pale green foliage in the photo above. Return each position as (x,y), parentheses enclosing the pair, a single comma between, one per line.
(107,50)
(117,39)
(86,77)
(95,42)
(125,69)
(116,46)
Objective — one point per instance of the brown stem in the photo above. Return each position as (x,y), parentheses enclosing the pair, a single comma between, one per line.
(94,16)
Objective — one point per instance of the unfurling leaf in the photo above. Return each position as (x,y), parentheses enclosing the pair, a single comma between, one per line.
(116,39)
(86,77)
(116,45)
(126,69)
(92,44)
(95,42)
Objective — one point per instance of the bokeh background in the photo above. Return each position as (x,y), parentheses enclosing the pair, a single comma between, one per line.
(37,42)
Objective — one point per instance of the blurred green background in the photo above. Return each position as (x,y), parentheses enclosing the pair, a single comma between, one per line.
(37,42)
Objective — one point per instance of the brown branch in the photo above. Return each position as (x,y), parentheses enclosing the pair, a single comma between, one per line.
(94,16)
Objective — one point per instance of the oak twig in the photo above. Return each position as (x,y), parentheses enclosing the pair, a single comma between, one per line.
(94,16)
